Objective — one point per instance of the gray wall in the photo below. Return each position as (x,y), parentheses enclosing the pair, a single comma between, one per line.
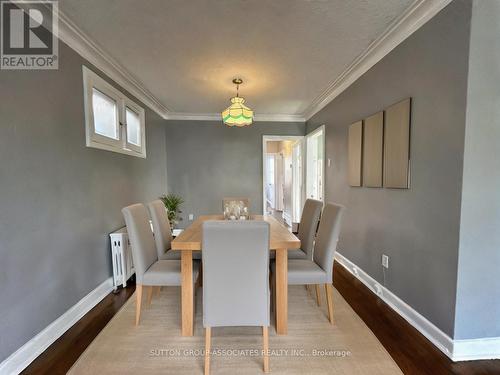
(418,228)
(58,198)
(478,291)
(208,161)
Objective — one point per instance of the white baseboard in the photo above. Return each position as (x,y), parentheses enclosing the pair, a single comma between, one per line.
(475,349)
(456,350)
(22,357)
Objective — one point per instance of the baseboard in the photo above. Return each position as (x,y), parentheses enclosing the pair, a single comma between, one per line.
(456,350)
(476,349)
(21,358)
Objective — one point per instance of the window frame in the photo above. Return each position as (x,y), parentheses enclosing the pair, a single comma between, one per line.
(92,81)
(142,133)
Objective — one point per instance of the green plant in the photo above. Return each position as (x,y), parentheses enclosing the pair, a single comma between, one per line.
(172,203)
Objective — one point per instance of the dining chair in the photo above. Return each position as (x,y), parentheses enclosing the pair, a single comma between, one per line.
(246,201)
(150,272)
(163,233)
(307,230)
(319,270)
(235,260)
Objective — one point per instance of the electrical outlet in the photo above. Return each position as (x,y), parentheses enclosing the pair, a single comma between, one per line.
(385,261)
(191,217)
(378,289)
(329,162)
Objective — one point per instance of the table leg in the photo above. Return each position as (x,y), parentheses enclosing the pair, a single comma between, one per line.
(187,292)
(281,291)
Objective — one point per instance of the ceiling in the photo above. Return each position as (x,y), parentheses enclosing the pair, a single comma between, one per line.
(186,53)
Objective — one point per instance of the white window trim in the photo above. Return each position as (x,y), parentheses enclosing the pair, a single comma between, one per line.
(92,80)
(140,112)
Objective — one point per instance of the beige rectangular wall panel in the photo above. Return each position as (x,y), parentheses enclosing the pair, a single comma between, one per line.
(397,145)
(355,139)
(373,138)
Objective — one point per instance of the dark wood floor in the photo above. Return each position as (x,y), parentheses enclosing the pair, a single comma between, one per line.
(412,352)
(60,356)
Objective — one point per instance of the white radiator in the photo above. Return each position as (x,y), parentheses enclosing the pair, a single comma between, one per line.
(123,266)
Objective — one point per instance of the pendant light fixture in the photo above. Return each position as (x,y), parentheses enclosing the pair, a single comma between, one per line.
(237,114)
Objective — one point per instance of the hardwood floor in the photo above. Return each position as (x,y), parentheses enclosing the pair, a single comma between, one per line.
(413,353)
(60,356)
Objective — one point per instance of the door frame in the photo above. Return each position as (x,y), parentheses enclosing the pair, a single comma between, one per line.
(266,138)
(319,129)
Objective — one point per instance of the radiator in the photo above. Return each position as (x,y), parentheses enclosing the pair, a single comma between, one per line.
(121,254)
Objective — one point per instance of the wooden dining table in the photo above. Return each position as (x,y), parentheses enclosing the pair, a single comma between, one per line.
(281,240)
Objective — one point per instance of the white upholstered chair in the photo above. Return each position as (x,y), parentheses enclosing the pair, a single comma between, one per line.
(235,260)
(307,230)
(163,232)
(150,272)
(245,200)
(319,270)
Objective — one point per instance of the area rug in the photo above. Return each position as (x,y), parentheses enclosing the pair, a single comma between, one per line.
(312,346)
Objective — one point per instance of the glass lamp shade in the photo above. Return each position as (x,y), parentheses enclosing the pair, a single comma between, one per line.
(237,114)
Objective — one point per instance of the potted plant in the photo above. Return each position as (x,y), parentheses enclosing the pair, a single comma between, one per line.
(173,203)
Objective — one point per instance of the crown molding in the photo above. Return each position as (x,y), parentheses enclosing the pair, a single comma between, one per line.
(79,41)
(401,28)
(217,117)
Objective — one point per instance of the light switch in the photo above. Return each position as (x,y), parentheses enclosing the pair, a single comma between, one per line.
(191,217)
(329,162)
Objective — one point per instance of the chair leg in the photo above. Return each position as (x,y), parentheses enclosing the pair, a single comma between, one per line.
(265,336)
(199,281)
(273,298)
(200,277)
(318,295)
(194,299)
(271,282)
(150,294)
(207,350)
(138,300)
(329,299)
(157,290)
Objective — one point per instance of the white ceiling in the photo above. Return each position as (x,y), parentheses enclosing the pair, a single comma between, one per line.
(186,52)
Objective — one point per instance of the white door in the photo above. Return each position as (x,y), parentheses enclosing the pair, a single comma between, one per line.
(298,177)
(315,164)
(270,181)
(287,185)
(279,181)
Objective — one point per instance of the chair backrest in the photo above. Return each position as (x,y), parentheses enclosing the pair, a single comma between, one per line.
(246,201)
(141,239)
(308,225)
(235,256)
(161,226)
(327,238)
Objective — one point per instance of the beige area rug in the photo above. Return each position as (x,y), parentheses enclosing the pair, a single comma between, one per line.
(312,346)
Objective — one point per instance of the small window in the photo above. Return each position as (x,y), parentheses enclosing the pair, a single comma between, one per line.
(105,113)
(133,128)
(113,121)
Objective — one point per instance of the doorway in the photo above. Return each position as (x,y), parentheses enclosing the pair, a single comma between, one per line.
(283,177)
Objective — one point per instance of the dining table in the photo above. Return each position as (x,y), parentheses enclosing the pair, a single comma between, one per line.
(281,240)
